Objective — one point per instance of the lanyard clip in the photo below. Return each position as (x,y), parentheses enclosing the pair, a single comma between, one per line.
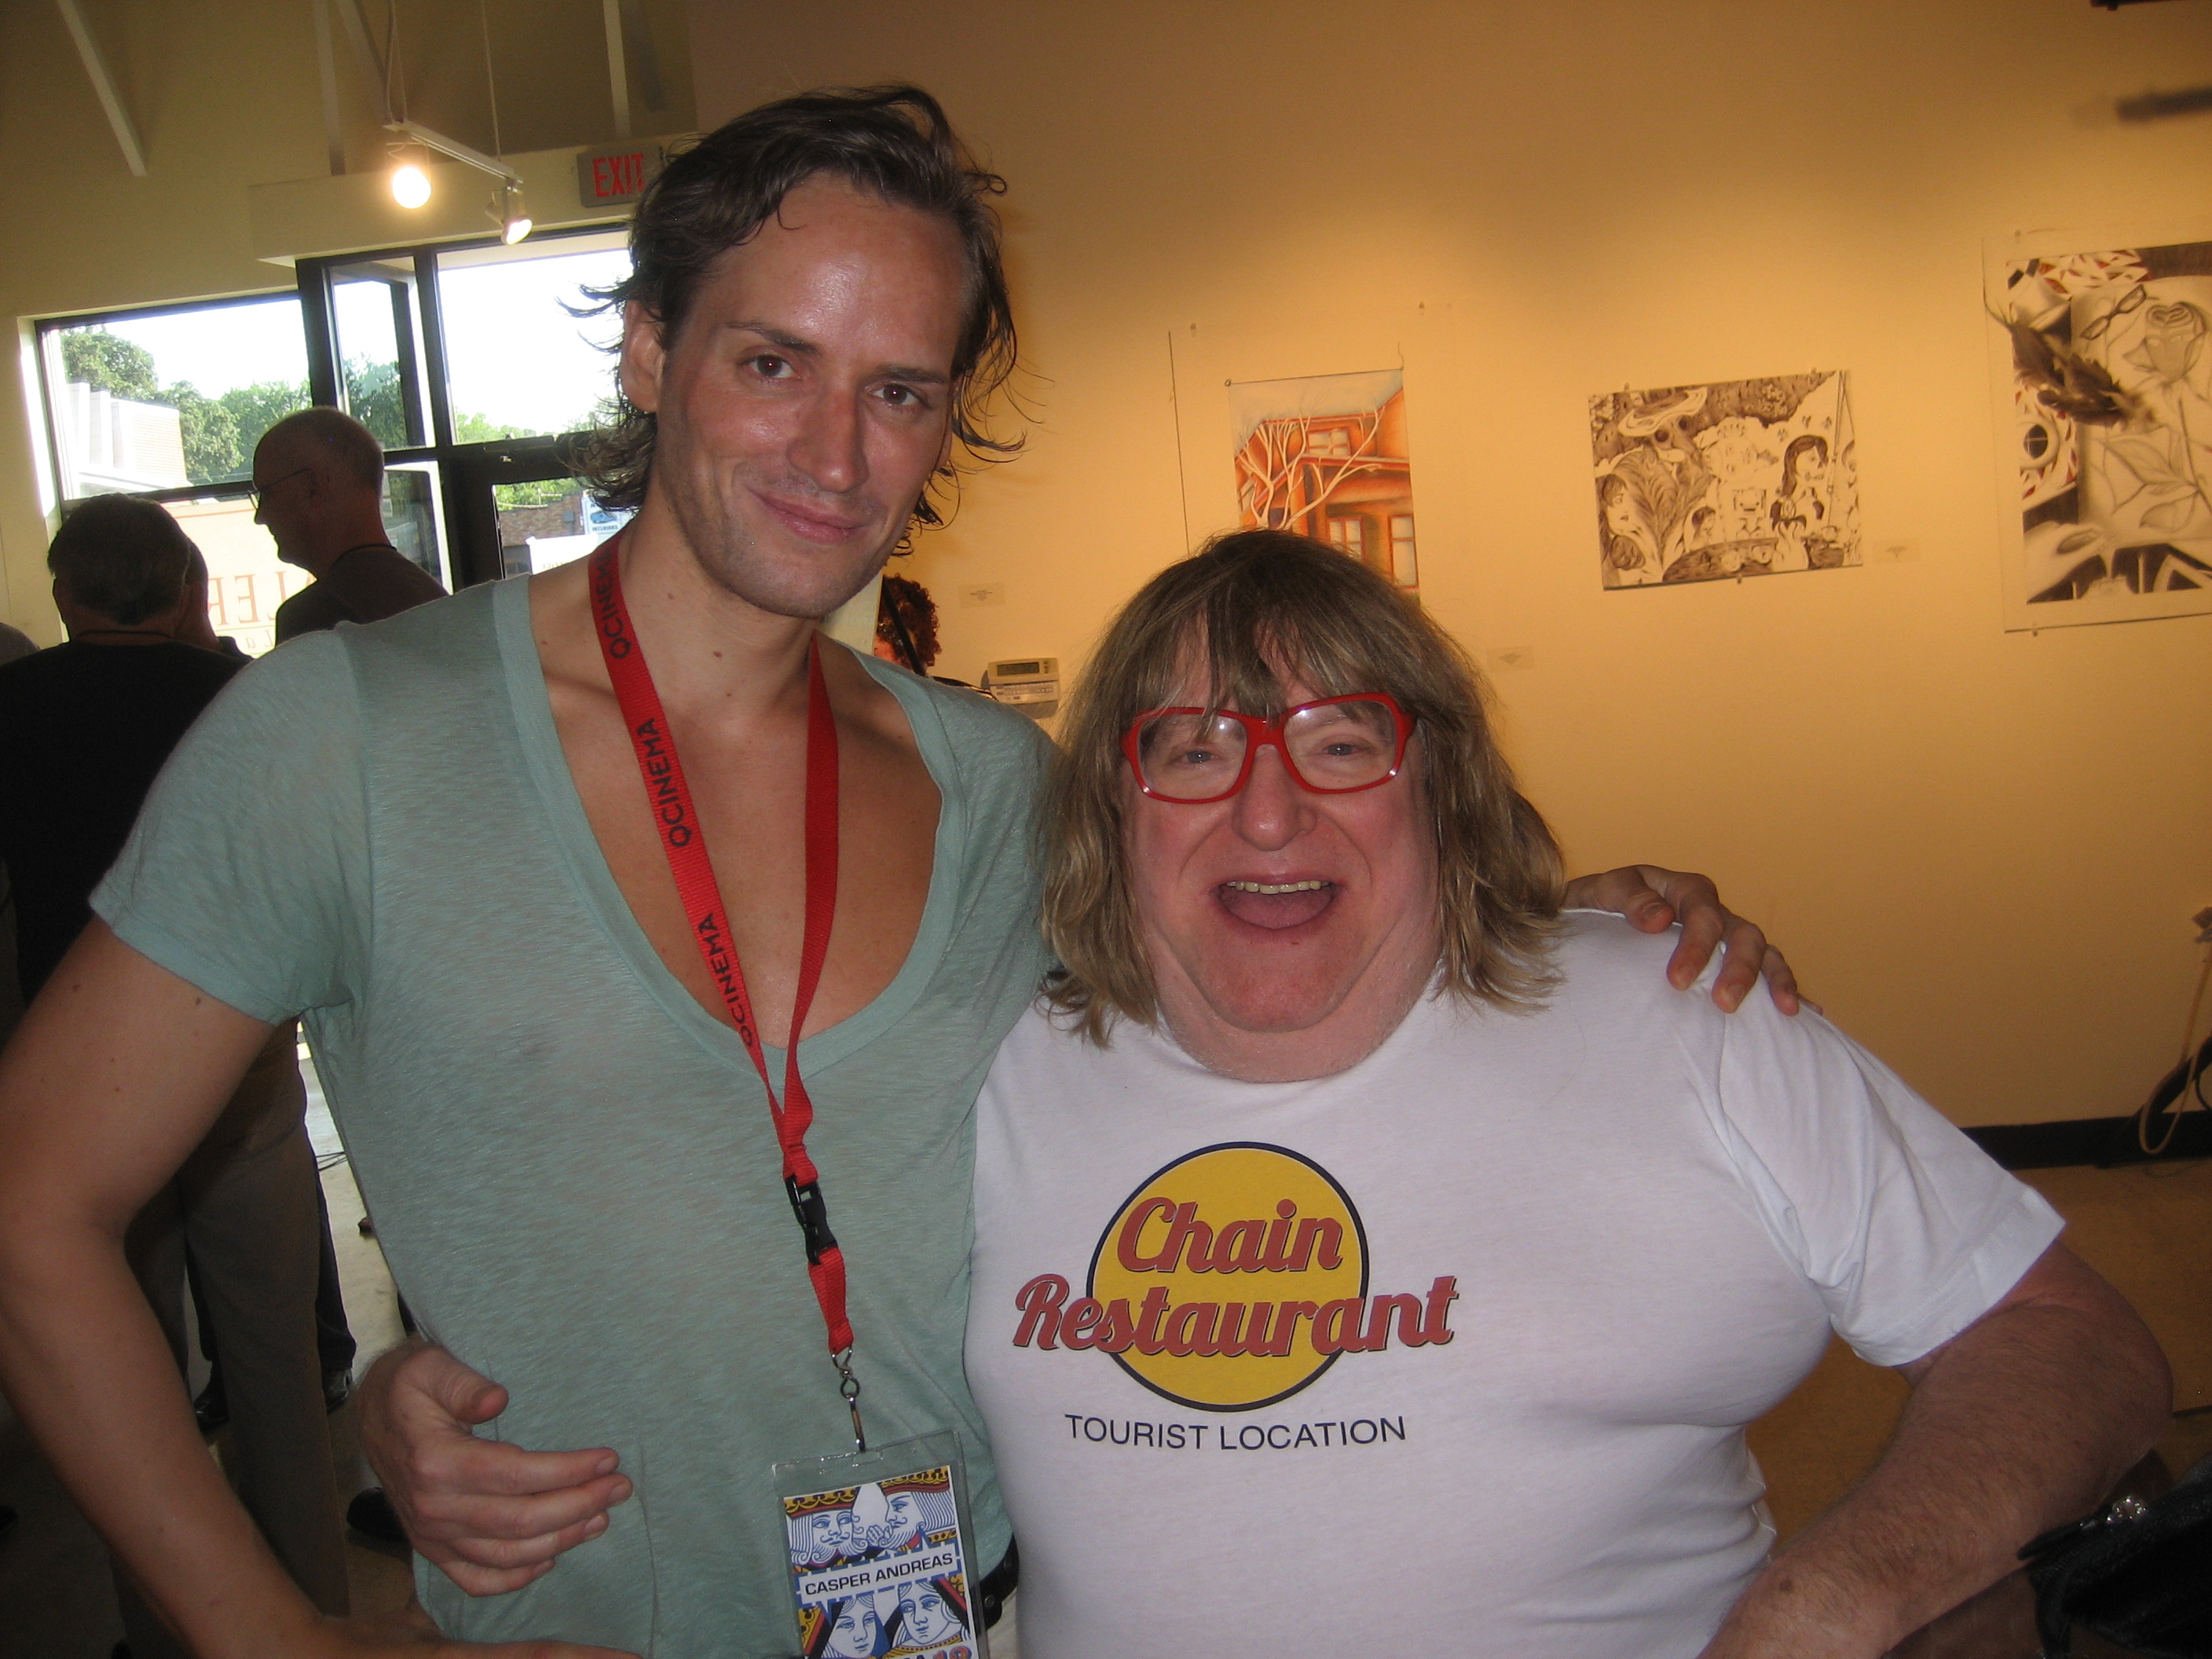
(807,1204)
(848,1386)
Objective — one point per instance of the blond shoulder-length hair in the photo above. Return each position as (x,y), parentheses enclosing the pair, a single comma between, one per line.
(1259,608)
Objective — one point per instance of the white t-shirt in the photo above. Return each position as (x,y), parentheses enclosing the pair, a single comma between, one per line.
(1537,1271)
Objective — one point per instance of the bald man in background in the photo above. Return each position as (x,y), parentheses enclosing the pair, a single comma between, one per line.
(319,490)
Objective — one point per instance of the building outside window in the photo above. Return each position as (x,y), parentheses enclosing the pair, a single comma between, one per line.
(170,402)
(158,399)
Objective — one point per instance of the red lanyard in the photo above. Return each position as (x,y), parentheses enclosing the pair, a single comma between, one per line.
(669,799)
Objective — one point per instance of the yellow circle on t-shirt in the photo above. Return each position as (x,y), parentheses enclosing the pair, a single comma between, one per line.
(1229,1279)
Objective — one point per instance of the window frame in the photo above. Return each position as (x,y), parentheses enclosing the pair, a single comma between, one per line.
(45,326)
(466,471)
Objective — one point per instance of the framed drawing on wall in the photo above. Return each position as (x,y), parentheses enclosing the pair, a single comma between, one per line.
(1725,480)
(2101,385)
(1326,455)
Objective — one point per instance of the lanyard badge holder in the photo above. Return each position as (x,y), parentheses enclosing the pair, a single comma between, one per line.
(877,1537)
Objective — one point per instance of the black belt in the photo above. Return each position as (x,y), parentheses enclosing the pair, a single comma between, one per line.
(999,1583)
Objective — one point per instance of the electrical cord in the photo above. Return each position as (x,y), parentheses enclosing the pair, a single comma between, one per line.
(2187,1080)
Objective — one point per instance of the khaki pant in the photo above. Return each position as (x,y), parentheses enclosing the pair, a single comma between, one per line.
(245,1202)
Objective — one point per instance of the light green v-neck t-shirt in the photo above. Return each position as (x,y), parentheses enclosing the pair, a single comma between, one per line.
(571,1164)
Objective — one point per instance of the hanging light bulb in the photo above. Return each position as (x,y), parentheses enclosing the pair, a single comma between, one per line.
(514,217)
(411,185)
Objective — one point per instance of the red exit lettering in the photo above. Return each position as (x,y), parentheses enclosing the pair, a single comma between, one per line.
(617,176)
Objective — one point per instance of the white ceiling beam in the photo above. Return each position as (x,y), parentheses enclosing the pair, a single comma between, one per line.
(103,84)
(326,74)
(617,64)
(644,61)
(365,53)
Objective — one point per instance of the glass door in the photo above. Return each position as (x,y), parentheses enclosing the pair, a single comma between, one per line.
(473,364)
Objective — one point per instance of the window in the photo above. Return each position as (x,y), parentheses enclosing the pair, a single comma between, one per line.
(246,581)
(376,316)
(468,362)
(166,398)
(1349,534)
(1405,566)
(519,362)
(1328,442)
(550,523)
(481,347)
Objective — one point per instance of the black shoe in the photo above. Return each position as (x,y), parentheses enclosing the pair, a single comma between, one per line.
(211,1410)
(337,1388)
(371,1515)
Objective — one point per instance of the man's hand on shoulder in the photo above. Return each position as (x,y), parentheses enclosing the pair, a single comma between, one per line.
(492,1517)
(1653,899)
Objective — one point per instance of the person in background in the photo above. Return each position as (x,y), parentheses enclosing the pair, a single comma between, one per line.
(84,728)
(14,643)
(319,490)
(196,626)
(906,624)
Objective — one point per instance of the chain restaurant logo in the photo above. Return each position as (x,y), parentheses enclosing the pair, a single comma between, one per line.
(1230,1281)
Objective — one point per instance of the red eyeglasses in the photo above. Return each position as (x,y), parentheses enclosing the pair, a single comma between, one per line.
(1331,746)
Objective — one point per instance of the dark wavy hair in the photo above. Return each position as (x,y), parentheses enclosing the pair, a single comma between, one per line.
(893,142)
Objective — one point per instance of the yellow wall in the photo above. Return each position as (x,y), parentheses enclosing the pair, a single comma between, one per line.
(1980,847)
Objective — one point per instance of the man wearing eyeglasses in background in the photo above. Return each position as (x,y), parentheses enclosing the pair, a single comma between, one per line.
(319,490)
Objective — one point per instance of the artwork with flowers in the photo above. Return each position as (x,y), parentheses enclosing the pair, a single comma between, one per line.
(2105,416)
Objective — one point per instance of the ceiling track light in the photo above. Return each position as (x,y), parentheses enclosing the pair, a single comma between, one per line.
(411,185)
(509,214)
(506,208)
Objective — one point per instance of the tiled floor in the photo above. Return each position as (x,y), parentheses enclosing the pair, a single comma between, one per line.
(2148,1229)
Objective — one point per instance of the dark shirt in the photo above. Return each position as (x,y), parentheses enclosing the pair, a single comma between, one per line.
(366,584)
(84,729)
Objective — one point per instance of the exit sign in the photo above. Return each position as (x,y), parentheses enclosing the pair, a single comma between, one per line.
(607,178)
